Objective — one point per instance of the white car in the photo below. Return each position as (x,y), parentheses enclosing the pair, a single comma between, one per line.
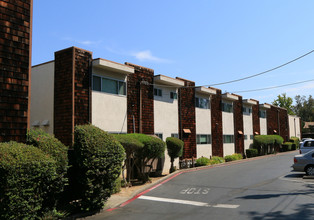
(306,146)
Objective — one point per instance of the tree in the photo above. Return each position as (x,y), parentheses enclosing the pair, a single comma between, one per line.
(304,108)
(284,102)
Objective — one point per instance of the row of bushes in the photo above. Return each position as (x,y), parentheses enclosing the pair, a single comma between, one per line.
(204,161)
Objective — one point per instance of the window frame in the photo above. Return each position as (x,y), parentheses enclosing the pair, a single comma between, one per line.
(224,106)
(198,102)
(158,92)
(208,139)
(118,84)
(225,141)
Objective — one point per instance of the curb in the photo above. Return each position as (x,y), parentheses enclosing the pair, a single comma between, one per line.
(167,178)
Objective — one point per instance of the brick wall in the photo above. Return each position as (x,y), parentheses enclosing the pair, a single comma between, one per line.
(186,101)
(238,125)
(277,119)
(216,121)
(15,61)
(255,117)
(71,92)
(140,93)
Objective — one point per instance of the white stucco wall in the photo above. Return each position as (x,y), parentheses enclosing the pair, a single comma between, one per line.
(263,126)
(294,126)
(166,119)
(203,126)
(248,128)
(228,129)
(42,95)
(109,112)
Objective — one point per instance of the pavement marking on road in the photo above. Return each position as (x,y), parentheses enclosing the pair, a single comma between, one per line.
(187,202)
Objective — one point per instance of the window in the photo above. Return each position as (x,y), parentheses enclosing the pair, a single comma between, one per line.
(245,137)
(251,137)
(175,135)
(226,107)
(246,110)
(203,139)
(173,95)
(109,85)
(228,139)
(159,135)
(309,144)
(157,92)
(262,113)
(201,103)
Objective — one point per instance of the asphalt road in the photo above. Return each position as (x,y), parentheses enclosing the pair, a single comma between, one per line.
(258,189)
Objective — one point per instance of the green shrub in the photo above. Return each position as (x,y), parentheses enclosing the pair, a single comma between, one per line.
(117,186)
(287,146)
(153,148)
(98,161)
(52,146)
(233,157)
(202,161)
(295,141)
(26,175)
(262,142)
(131,145)
(175,149)
(251,153)
(216,160)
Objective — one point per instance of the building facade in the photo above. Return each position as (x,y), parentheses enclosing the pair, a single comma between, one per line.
(76,89)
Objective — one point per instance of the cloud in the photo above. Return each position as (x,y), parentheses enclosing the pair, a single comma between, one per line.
(146,55)
(83,42)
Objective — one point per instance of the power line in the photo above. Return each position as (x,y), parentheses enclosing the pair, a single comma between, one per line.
(248,77)
(273,87)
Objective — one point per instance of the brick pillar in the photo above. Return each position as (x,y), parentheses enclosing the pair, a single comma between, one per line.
(255,117)
(216,118)
(238,125)
(140,100)
(72,92)
(15,66)
(272,120)
(186,102)
(284,123)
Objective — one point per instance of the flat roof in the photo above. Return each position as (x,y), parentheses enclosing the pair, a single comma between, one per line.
(206,91)
(161,79)
(249,102)
(112,66)
(230,97)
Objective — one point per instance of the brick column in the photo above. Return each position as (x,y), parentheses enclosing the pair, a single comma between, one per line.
(238,125)
(186,102)
(272,120)
(216,118)
(140,100)
(255,117)
(284,123)
(15,66)
(72,92)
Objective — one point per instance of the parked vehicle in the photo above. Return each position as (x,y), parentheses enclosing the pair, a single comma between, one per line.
(306,146)
(304,163)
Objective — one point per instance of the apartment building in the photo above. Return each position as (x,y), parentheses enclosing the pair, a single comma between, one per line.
(76,89)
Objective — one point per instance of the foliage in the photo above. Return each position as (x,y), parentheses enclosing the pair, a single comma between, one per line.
(131,145)
(26,177)
(304,108)
(295,142)
(284,102)
(251,153)
(287,146)
(216,160)
(97,164)
(175,149)
(52,146)
(233,157)
(202,161)
(117,186)
(266,143)
(153,148)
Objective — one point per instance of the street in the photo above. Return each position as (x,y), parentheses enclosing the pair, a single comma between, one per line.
(257,189)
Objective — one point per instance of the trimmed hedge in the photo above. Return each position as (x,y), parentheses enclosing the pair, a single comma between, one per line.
(175,149)
(98,161)
(267,143)
(287,146)
(52,146)
(202,161)
(153,148)
(251,153)
(26,177)
(295,141)
(217,160)
(233,157)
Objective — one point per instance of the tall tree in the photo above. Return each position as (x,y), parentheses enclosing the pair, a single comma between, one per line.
(304,108)
(284,102)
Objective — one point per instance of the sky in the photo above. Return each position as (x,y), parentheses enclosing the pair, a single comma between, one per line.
(205,41)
